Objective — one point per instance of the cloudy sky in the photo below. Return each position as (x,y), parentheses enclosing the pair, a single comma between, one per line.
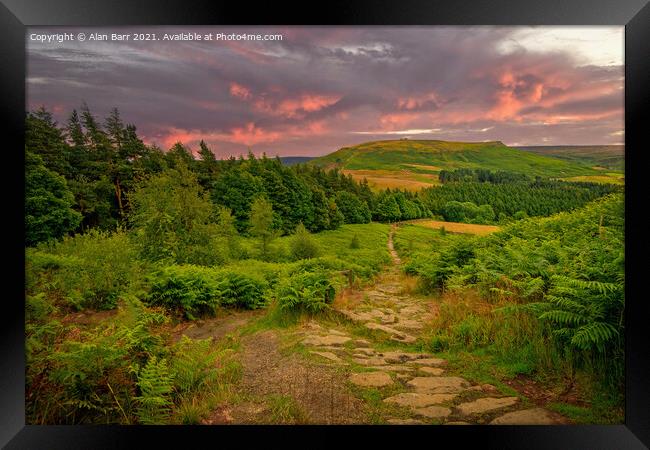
(322,88)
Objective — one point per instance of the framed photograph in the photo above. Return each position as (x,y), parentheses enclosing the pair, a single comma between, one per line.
(384,219)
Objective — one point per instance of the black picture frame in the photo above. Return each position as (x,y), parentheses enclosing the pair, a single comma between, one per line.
(15,15)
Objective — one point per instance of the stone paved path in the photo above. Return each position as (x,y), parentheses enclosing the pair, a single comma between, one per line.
(417,383)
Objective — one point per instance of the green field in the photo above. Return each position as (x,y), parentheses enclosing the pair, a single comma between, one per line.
(411,157)
(597,156)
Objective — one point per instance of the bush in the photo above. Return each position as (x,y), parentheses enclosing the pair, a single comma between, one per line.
(303,245)
(86,271)
(193,290)
(189,289)
(310,291)
(244,291)
(354,244)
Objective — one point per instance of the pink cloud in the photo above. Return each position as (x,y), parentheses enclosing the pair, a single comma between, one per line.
(239,91)
(291,108)
(410,103)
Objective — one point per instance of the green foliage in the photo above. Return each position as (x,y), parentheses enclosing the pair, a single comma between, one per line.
(303,245)
(48,203)
(354,243)
(262,223)
(307,291)
(565,273)
(124,370)
(388,210)
(155,381)
(171,219)
(457,201)
(354,209)
(194,365)
(86,271)
(586,314)
(194,291)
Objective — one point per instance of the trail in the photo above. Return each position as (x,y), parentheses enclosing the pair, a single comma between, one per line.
(371,350)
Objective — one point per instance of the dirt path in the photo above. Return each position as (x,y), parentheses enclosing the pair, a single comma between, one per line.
(391,248)
(364,368)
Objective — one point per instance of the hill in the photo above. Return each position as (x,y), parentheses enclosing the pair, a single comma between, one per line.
(599,156)
(413,164)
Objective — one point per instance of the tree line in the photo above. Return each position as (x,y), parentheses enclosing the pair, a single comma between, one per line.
(86,174)
(483,196)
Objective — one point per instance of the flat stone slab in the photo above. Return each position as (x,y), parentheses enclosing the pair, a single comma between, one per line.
(361,343)
(389,288)
(333,349)
(534,416)
(486,404)
(336,332)
(328,355)
(330,339)
(409,324)
(366,351)
(430,362)
(370,361)
(433,412)
(355,317)
(439,385)
(371,379)
(394,368)
(396,335)
(404,422)
(411,310)
(457,422)
(400,357)
(388,318)
(435,371)
(419,400)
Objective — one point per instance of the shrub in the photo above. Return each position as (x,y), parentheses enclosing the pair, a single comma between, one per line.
(354,244)
(86,271)
(244,291)
(191,290)
(303,245)
(194,290)
(311,291)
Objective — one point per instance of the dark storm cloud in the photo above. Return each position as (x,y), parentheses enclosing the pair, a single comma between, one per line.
(321,88)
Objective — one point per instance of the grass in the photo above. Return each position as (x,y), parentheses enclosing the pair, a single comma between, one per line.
(577,413)
(285,410)
(408,179)
(457,227)
(607,156)
(613,178)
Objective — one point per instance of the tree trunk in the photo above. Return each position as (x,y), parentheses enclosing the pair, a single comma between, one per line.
(118,195)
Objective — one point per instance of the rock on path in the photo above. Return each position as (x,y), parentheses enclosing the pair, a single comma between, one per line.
(534,416)
(485,404)
(371,379)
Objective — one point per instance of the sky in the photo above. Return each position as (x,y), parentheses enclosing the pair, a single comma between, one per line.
(322,88)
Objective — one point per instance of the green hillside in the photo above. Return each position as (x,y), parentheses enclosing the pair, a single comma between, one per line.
(602,156)
(429,157)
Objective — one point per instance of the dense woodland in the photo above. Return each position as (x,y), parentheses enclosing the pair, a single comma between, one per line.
(482,196)
(154,238)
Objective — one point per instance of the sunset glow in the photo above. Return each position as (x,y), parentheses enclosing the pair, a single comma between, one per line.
(322,88)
